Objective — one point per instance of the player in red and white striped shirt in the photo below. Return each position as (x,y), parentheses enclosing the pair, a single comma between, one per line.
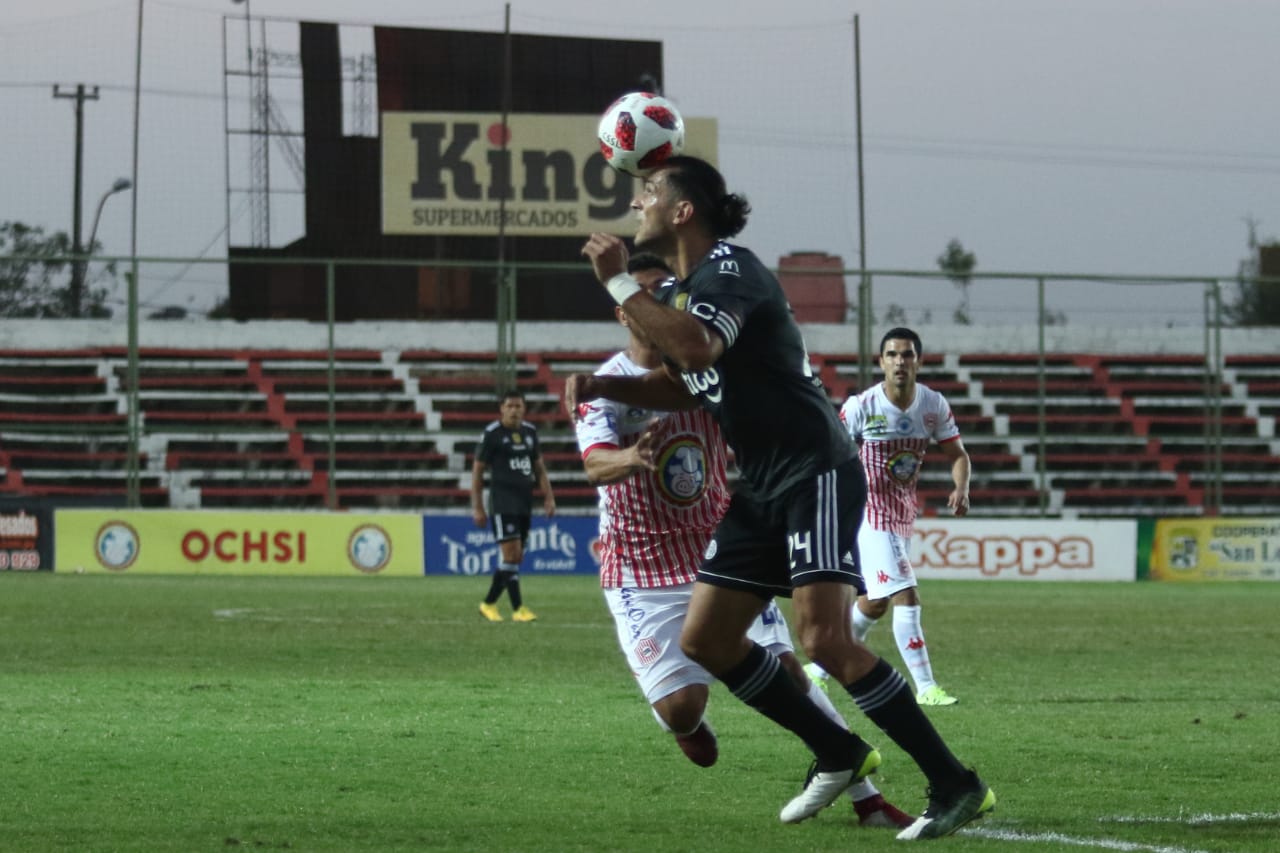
(663,489)
(894,423)
(654,526)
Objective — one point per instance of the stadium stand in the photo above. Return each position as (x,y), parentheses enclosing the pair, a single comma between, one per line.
(1079,436)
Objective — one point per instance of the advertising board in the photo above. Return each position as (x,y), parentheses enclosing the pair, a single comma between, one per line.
(237,543)
(1200,549)
(1025,549)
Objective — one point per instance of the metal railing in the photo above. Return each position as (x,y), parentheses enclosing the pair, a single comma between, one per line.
(879,287)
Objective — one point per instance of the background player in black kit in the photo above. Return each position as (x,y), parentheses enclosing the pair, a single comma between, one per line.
(509,450)
(732,346)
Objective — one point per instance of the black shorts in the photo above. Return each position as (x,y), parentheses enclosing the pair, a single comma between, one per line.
(808,535)
(510,526)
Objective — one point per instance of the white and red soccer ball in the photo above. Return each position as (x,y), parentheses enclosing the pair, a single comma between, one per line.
(639,131)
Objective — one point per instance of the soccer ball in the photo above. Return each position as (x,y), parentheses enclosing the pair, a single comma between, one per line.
(639,131)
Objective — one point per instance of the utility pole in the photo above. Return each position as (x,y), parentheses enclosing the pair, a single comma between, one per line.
(81,94)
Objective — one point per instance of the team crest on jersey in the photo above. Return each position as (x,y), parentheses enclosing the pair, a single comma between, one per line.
(903,466)
(681,301)
(930,421)
(682,470)
(517,438)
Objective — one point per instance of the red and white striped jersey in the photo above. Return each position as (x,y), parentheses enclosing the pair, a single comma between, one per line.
(655,525)
(892,444)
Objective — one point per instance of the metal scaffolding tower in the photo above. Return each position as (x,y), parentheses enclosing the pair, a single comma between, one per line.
(252,72)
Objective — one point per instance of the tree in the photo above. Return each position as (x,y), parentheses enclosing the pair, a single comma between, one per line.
(895,315)
(32,264)
(959,265)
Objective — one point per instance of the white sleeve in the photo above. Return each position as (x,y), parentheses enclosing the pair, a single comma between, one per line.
(598,425)
(851,416)
(945,428)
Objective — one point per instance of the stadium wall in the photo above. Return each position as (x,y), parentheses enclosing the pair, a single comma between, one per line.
(547,336)
(395,543)
(114,541)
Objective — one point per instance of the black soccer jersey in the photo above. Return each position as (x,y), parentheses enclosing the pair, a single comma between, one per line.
(510,454)
(772,410)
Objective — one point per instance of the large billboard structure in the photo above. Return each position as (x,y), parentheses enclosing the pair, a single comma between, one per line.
(444,179)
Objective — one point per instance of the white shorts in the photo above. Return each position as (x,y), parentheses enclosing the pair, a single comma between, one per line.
(886,561)
(649,622)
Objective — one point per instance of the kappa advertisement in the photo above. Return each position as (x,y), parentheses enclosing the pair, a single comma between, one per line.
(540,174)
(1017,549)
(1201,549)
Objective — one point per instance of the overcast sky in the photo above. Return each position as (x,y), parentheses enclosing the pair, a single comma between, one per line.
(1127,137)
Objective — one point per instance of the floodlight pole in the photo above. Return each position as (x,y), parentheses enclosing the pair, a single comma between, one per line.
(505,368)
(133,486)
(864,285)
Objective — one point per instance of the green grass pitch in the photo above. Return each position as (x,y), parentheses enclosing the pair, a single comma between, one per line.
(213,713)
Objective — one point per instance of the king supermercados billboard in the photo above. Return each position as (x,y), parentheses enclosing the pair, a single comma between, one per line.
(449,173)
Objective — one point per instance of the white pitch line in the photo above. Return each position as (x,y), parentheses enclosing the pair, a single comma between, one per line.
(1059,838)
(1197,819)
